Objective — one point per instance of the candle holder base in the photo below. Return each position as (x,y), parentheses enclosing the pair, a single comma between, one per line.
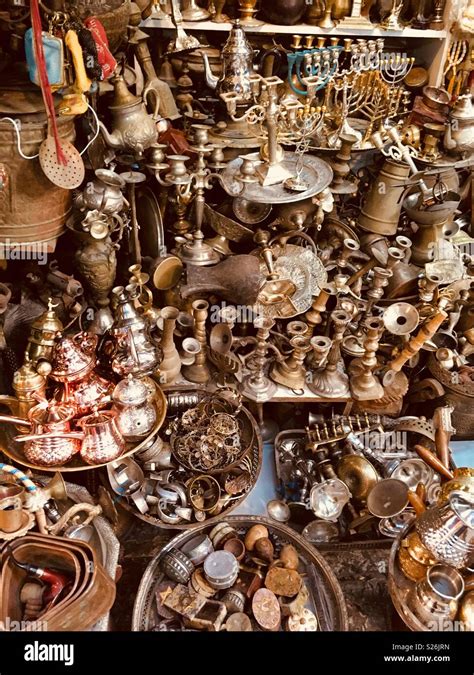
(259,389)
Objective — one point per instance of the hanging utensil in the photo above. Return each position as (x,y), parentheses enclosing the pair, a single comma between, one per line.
(59,159)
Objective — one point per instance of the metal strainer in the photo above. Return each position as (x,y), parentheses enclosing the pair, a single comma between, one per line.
(68,176)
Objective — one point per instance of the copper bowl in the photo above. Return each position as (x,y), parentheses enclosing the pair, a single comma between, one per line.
(436,98)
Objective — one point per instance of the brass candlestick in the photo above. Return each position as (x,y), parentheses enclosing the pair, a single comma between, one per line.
(313,316)
(257,386)
(247,12)
(290,372)
(331,382)
(199,370)
(218,17)
(364,384)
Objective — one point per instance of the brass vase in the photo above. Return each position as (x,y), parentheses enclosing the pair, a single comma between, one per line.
(170,365)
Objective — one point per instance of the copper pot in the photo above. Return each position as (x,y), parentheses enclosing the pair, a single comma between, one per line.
(48,444)
(102,440)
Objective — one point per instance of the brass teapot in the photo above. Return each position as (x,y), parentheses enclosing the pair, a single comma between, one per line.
(133,128)
(459,135)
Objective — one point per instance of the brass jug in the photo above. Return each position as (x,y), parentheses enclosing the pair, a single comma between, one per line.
(382,207)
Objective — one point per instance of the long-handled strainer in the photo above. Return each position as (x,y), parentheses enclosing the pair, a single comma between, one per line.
(69,174)
(59,159)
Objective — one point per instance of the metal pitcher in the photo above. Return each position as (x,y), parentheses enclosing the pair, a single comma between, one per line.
(447,531)
(102,441)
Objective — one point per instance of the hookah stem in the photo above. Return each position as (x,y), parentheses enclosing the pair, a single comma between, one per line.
(135,238)
(19,475)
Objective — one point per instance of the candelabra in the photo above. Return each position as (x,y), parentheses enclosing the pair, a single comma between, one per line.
(320,65)
(372,88)
(280,120)
(190,186)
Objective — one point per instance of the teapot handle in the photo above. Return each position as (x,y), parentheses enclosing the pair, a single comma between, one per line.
(60,434)
(276,52)
(150,89)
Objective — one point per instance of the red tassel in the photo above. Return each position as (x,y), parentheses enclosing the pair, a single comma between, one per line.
(43,76)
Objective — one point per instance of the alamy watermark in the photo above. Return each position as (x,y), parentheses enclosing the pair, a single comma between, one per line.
(10,625)
(33,250)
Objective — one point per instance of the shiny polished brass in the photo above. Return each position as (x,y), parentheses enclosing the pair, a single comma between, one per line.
(290,372)
(43,332)
(364,384)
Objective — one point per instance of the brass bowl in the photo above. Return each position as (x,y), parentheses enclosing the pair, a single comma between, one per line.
(358,474)
(410,567)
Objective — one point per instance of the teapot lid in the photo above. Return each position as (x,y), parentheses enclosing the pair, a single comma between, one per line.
(130,391)
(51,413)
(463,108)
(70,359)
(237,42)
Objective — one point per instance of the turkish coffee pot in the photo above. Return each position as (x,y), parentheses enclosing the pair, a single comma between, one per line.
(74,362)
(136,414)
(133,128)
(101,439)
(49,442)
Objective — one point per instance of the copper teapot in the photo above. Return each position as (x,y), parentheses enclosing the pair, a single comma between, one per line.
(101,441)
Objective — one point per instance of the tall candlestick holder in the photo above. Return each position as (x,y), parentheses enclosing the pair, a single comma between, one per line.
(280,120)
(257,386)
(364,384)
(331,381)
(190,186)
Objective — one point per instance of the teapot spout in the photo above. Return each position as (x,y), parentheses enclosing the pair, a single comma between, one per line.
(449,143)
(211,80)
(113,140)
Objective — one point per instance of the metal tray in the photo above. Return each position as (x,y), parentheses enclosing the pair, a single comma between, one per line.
(13,450)
(254,455)
(316,172)
(399,586)
(326,597)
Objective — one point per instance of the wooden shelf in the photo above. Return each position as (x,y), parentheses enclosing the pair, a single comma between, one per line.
(299,29)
